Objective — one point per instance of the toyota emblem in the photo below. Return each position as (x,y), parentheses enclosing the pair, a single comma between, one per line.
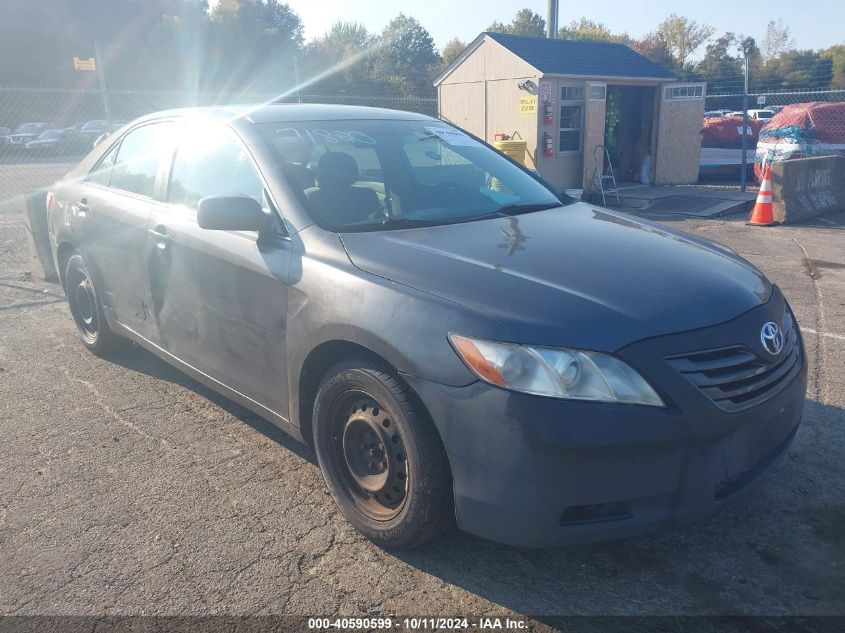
(771,337)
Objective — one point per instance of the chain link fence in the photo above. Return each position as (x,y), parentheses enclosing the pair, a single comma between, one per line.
(45,132)
(780,126)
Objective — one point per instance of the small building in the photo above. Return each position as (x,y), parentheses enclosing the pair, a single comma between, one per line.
(566,98)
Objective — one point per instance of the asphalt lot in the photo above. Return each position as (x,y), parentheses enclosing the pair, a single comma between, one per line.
(127,488)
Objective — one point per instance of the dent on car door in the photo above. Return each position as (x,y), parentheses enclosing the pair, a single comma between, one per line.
(220,297)
(110,217)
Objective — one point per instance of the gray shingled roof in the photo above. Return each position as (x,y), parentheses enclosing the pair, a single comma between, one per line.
(583,58)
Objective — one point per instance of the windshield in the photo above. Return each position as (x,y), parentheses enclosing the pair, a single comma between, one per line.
(50,135)
(364,175)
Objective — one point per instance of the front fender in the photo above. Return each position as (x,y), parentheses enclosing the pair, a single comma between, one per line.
(333,301)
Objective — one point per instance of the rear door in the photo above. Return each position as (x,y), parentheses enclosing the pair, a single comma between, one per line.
(219,298)
(109,215)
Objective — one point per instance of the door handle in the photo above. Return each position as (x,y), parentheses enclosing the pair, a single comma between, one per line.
(160,237)
(80,208)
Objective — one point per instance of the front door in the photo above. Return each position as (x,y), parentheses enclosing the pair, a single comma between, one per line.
(219,298)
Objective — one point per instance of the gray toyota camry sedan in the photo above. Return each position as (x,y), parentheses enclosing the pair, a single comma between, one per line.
(457,342)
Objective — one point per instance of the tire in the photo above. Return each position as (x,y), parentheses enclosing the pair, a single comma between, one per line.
(87,311)
(381,455)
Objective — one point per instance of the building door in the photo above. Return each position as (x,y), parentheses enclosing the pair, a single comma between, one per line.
(594,133)
(678,138)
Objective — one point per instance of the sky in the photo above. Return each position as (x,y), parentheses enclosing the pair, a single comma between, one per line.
(814,23)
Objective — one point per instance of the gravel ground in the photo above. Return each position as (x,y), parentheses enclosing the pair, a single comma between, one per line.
(127,488)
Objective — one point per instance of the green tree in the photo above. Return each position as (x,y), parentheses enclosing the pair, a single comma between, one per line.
(683,37)
(721,65)
(777,40)
(406,59)
(252,45)
(525,22)
(344,55)
(38,40)
(655,48)
(836,55)
(451,50)
(586,29)
(798,70)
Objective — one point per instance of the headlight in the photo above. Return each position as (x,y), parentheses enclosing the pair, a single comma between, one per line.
(556,372)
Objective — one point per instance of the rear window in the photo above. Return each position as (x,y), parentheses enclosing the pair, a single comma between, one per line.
(138,158)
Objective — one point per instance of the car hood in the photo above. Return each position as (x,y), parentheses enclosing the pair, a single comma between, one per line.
(577,276)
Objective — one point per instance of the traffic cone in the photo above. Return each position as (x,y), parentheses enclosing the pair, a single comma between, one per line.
(763,214)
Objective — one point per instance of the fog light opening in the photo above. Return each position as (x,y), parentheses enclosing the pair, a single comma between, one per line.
(596,513)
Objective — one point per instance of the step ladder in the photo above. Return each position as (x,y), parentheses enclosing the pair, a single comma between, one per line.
(604,179)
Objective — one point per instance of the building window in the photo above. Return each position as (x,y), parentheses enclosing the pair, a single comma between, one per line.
(571,93)
(571,118)
(673,93)
(598,92)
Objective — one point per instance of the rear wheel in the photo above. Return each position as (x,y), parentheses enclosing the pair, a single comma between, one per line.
(86,308)
(381,456)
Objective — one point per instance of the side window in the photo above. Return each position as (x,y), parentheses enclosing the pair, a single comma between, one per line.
(138,158)
(211,161)
(101,174)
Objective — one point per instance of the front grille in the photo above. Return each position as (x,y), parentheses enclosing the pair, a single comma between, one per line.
(735,378)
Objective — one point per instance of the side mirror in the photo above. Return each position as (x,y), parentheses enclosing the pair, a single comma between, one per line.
(232,213)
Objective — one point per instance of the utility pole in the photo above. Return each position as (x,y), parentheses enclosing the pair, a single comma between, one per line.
(551,19)
(296,78)
(102,75)
(743,177)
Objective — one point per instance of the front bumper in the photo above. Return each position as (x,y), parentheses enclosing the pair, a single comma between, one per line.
(538,472)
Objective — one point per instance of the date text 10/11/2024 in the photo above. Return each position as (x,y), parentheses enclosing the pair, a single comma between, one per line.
(416,624)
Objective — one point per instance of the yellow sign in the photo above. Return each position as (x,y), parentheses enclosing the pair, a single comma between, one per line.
(84,64)
(528,104)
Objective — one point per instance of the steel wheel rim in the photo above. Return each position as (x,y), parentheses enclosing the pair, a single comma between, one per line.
(368,455)
(84,305)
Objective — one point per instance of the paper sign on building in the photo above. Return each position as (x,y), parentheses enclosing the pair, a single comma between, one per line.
(545,92)
(80,63)
(528,104)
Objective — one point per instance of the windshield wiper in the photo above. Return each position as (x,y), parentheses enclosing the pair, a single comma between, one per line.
(510,210)
(392,223)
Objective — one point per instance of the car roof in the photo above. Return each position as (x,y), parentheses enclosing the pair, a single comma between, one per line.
(291,112)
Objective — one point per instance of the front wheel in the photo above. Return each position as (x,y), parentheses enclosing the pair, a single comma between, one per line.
(381,456)
(86,308)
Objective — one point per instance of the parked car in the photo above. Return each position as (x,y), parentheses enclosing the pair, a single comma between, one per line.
(761,115)
(93,129)
(454,340)
(60,142)
(50,139)
(721,147)
(25,133)
(800,130)
(116,125)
